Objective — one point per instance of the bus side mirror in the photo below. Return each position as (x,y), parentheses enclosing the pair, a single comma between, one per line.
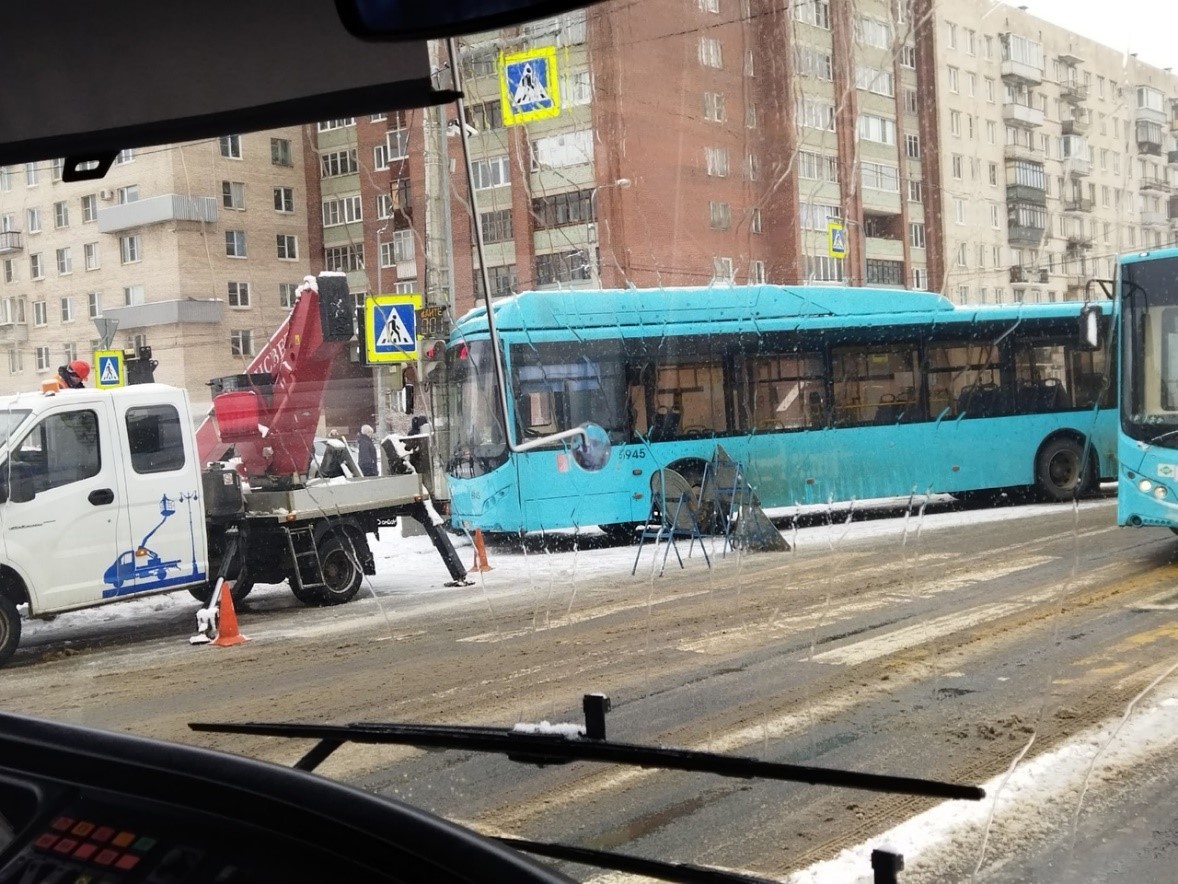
(1089,328)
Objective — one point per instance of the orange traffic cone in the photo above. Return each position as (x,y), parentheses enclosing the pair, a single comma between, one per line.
(480,553)
(227,632)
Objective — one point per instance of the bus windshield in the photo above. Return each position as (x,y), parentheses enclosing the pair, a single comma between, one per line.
(559,386)
(1150,377)
(477,441)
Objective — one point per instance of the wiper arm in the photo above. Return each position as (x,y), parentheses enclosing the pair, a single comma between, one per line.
(548,747)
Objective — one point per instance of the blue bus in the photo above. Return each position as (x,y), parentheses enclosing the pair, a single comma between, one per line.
(822,394)
(1147,297)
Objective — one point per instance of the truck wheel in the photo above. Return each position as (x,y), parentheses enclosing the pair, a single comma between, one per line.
(238,591)
(9,628)
(338,558)
(1060,471)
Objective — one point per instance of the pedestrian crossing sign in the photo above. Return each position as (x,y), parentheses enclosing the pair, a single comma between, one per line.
(110,370)
(390,328)
(837,239)
(528,88)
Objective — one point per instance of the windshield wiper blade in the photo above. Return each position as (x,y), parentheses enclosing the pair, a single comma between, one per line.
(551,746)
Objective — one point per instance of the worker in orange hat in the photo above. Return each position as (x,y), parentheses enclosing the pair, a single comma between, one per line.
(73,376)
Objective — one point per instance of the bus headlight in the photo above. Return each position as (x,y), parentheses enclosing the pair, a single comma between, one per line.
(1145,486)
(1159,492)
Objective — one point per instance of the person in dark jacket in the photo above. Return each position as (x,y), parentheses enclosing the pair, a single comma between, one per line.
(367,451)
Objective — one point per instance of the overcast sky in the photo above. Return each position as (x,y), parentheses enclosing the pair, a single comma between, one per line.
(1147,27)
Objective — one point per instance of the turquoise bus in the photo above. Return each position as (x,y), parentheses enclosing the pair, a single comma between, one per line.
(822,394)
(1147,447)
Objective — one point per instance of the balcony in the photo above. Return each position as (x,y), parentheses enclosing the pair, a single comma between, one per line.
(407,270)
(176,312)
(1021,72)
(1149,145)
(10,241)
(1077,167)
(1073,92)
(1155,219)
(1027,275)
(1022,193)
(1024,236)
(1156,185)
(1079,205)
(1173,207)
(1149,115)
(1075,283)
(1023,152)
(1079,242)
(1075,126)
(13,333)
(163,209)
(1016,114)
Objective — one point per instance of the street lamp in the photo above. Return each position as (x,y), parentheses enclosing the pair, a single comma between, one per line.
(594,267)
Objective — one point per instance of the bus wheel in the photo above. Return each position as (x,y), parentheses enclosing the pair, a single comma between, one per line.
(621,532)
(9,628)
(1060,471)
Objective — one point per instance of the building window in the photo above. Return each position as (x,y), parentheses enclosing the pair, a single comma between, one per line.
(280,152)
(129,249)
(239,294)
(489,114)
(288,246)
(230,146)
(873,33)
(912,147)
(5,179)
(878,129)
(398,250)
(496,226)
(558,210)
(65,261)
(716,161)
(341,210)
(40,313)
(959,210)
(287,293)
(756,272)
(881,176)
(235,243)
(563,267)
(33,220)
(957,166)
(32,176)
(711,53)
(491,172)
(380,157)
(719,215)
(384,206)
(755,222)
(502,280)
(340,162)
(823,268)
(67,309)
(916,235)
(344,259)
(908,56)
(954,80)
(723,270)
(89,208)
(714,107)
(329,125)
(233,194)
(36,267)
(128,194)
(94,304)
(9,270)
(133,295)
(125,156)
(41,355)
(241,342)
(284,199)
(397,139)
(61,214)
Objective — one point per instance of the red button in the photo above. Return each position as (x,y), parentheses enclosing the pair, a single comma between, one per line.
(85,851)
(127,861)
(46,841)
(65,845)
(83,829)
(103,833)
(106,857)
(123,839)
(62,823)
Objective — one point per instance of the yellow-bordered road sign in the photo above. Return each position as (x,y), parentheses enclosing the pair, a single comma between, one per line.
(109,369)
(390,327)
(528,88)
(836,237)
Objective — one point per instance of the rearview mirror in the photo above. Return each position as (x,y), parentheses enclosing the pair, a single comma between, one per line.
(1089,328)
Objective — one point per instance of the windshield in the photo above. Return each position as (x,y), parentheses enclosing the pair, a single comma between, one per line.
(1149,299)
(781,438)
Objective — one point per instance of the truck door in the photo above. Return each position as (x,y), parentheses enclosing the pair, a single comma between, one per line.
(62,513)
(167,547)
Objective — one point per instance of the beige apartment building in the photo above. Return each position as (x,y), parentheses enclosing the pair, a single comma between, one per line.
(195,250)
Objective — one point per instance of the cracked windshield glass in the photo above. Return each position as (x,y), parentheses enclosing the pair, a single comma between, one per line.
(808,480)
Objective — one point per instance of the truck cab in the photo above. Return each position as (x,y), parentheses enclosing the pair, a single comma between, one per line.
(99,497)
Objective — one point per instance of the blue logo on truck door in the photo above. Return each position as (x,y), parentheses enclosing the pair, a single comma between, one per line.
(143,569)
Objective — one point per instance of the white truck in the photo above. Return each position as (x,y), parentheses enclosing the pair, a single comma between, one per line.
(108,494)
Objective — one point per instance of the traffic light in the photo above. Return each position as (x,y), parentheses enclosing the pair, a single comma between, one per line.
(434,352)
